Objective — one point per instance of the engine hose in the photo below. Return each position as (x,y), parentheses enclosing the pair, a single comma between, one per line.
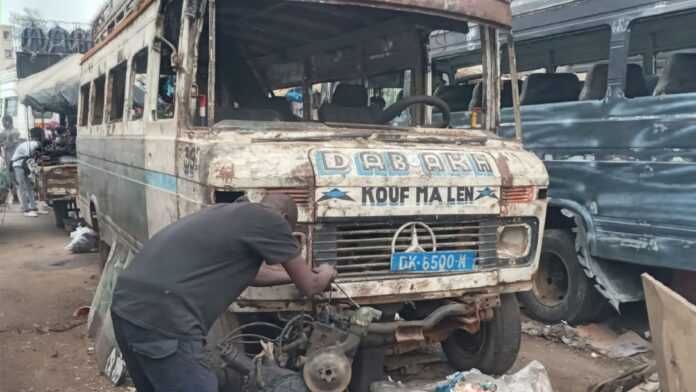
(429,322)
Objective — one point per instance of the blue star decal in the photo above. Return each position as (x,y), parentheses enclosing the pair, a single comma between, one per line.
(486,192)
(336,194)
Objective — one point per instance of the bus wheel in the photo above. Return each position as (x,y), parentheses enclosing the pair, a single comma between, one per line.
(228,379)
(561,291)
(494,348)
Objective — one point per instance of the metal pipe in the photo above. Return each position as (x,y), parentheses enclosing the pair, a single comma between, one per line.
(512,64)
(429,322)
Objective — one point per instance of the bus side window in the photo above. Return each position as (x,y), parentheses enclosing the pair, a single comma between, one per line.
(166,89)
(166,86)
(84,104)
(668,55)
(138,85)
(117,91)
(11,106)
(98,106)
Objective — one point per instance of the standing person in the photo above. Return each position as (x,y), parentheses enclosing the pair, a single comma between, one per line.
(189,273)
(9,139)
(22,153)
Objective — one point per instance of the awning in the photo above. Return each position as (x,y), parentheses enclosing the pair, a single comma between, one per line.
(55,89)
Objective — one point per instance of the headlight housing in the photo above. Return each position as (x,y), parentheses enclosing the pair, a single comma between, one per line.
(517,240)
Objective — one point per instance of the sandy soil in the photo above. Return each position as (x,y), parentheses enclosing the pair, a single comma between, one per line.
(41,285)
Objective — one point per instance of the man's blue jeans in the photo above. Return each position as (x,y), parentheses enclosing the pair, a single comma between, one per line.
(25,188)
(157,363)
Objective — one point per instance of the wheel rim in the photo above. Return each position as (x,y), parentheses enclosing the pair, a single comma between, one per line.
(551,280)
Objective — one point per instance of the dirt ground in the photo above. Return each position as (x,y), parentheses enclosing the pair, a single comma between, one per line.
(41,285)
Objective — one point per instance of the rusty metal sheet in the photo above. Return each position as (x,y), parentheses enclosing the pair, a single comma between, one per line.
(495,12)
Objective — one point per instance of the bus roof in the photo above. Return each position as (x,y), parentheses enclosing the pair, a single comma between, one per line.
(493,12)
(534,19)
(496,12)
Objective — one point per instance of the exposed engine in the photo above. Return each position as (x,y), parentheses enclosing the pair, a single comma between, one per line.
(309,354)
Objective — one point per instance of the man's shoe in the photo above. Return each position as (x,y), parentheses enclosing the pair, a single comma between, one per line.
(31,214)
(42,212)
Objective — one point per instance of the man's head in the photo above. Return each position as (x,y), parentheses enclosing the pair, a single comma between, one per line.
(36,133)
(284,205)
(7,122)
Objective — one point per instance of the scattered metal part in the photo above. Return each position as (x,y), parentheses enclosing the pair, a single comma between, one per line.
(327,371)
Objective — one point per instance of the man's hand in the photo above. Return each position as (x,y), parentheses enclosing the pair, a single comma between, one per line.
(307,281)
(327,272)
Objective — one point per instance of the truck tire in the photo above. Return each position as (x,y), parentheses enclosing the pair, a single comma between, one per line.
(561,289)
(493,350)
(228,379)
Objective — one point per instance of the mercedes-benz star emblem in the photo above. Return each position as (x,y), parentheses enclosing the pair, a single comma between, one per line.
(415,246)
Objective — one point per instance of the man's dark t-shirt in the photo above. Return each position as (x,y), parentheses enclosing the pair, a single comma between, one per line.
(191,271)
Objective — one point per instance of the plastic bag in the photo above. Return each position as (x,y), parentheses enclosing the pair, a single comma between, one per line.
(531,378)
(83,240)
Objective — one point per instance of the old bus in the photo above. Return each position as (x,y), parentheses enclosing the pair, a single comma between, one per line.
(606,103)
(182,107)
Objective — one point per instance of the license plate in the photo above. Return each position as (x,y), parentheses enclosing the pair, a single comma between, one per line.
(430,262)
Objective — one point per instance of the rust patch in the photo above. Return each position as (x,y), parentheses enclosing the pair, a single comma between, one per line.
(225,173)
(303,173)
(505,174)
(409,334)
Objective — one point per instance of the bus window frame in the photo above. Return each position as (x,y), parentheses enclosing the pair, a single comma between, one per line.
(109,102)
(93,101)
(130,85)
(83,116)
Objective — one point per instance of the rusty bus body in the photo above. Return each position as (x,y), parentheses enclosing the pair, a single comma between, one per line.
(177,112)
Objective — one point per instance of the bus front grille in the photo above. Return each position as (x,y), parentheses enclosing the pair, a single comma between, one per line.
(364,247)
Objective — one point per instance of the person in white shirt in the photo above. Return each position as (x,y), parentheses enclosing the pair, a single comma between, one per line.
(22,153)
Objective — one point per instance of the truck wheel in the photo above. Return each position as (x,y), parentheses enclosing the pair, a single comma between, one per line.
(60,212)
(561,290)
(493,350)
(228,379)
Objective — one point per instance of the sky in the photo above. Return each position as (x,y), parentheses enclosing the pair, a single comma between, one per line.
(81,11)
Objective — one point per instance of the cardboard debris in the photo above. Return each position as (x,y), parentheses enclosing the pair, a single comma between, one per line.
(594,337)
(672,325)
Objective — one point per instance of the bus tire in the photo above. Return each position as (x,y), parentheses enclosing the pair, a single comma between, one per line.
(228,379)
(493,350)
(561,289)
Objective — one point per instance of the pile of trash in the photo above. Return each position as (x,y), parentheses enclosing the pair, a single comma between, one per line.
(595,338)
(83,240)
(531,378)
(642,378)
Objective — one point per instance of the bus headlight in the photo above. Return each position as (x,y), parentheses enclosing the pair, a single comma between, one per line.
(514,241)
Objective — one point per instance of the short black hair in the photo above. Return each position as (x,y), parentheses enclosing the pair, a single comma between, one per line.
(36,133)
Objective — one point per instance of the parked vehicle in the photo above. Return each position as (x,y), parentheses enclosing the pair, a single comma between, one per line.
(607,104)
(178,112)
(55,90)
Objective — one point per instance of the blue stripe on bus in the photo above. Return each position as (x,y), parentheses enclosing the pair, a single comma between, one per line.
(160,180)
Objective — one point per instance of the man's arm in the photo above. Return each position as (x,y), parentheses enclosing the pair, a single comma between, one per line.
(271,275)
(307,281)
